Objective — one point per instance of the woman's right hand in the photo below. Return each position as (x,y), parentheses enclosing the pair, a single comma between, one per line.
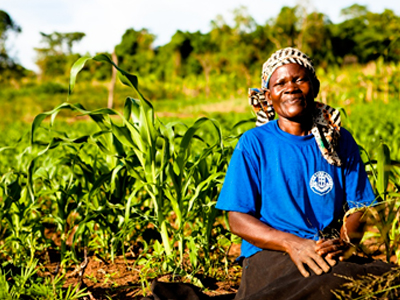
(303,253)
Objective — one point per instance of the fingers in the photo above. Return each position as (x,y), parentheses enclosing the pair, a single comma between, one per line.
(330,246)
(320,244)
(333,250)
(333,254)
(313,266)
(327,250)
(330,261)
(316,263)
(309,255)
(302,270)
(321,264)
(325,255)
(347,254)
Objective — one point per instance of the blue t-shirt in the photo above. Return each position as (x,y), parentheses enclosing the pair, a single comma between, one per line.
(284,181)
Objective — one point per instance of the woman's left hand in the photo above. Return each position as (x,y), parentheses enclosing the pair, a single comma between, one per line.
(334,249)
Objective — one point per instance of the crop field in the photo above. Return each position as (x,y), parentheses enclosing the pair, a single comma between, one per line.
(97,202)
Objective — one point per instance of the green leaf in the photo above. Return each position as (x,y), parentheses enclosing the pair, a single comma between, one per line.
(383,167)
(125,77)
(187,138)
(123,134)
(114,177)
(132,109)
(76,68)
(202,186)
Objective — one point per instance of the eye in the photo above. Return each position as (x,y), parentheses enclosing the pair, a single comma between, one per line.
(302,79)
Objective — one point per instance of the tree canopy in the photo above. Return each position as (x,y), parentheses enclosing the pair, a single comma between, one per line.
(8,67)
(56,57)
(236,48)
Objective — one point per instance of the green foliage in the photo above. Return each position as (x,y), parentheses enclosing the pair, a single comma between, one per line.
(59,43)
(9,69)
(135,53)
(286,26)
(367,35)
(378,142)
(56,58)
(104,189)
(51,88)
(106,182)
(7,24)
(26,284)
(221,63)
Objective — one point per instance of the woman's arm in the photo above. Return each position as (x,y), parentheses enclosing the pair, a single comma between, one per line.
(301,251)
(351,234)
(353,227)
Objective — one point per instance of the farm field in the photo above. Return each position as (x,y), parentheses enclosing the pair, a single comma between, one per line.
(105,200)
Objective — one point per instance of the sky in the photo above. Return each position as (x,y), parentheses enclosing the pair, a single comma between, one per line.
(105,21)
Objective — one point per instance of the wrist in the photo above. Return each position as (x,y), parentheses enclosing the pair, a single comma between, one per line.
(344,236)
(291,242)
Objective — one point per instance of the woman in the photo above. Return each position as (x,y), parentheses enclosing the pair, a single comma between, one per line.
(289,182)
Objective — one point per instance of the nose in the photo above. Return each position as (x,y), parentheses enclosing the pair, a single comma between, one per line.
(291,86)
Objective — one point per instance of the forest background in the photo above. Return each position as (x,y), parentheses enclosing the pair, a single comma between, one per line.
(76,203)
(220,64)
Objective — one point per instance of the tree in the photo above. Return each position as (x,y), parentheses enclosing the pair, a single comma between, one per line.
(204,49)
(381,37)
(237,47)
(244,23)
(367,35)
(56,58)
(315,38)
(285,29)
(176,57)
(354,11)
(7,25)
(135,53)
(60,43)
(8,67)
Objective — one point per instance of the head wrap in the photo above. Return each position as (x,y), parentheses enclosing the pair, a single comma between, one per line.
(326,120)
(283,57)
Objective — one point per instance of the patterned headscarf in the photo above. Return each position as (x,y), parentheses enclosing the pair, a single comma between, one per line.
(283,57)
(326,120)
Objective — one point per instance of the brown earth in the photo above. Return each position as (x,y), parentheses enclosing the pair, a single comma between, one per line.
(122,279)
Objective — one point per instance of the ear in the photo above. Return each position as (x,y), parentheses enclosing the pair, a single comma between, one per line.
(316,86)
(267,94)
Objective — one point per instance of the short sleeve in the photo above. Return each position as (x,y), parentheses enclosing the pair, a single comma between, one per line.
(241,188)
(358,189)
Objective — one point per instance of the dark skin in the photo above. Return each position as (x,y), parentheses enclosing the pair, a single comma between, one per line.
(292,92)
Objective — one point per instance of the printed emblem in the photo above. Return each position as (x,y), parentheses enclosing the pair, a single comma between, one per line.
(321,183)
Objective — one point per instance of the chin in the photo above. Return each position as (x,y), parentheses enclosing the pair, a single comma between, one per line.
(300,115)
(298,112)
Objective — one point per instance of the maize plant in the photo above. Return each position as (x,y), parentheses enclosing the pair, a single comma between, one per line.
(102,191)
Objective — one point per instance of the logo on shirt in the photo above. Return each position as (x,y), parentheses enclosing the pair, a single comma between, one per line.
(321,183)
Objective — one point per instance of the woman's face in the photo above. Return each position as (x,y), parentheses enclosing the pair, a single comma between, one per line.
(291,92)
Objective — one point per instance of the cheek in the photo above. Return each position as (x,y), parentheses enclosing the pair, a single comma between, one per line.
(278,107)
(308,90)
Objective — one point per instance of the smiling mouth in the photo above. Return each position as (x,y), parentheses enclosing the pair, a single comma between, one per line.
(295,100)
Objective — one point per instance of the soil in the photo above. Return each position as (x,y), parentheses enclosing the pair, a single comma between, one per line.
(121,279)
